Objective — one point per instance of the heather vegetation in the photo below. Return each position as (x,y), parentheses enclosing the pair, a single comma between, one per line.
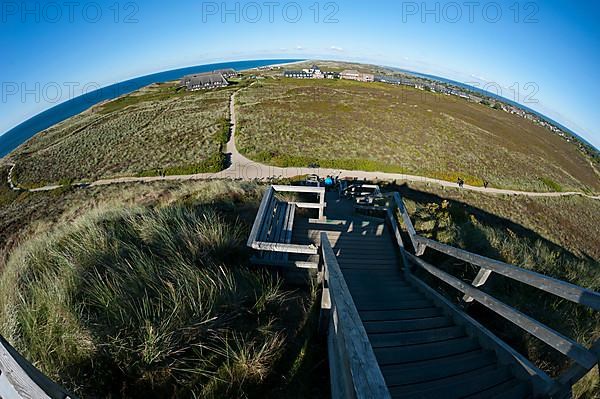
(379,127)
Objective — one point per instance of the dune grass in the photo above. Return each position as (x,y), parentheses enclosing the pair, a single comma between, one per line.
(141,301)
(157,130)
(451,223)
(378,127)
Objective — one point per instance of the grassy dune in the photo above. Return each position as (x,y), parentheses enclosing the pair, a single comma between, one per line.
(343,124)
(156,298)
(155,130)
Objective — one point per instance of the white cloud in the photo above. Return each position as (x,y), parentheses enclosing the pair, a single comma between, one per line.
(299,48)
(483,79)
(337,49)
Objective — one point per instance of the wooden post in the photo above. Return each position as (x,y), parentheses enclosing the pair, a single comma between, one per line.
(322,206)
(478,281)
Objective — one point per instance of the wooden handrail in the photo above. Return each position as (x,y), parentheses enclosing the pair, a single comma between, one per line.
(584,359)
(554,286)
(23,380)
(285,248)
(548,284)
(353,366)
(564,345)
(412,234)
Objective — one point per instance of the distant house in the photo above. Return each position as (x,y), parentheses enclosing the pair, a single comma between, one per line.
(314,72)
(204,81)
(367,77)
(227,73)
(297,75)
(351,74)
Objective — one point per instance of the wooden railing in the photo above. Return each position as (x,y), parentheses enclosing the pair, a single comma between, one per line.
(584,359)
(20,379)
(353,367)
(266,206)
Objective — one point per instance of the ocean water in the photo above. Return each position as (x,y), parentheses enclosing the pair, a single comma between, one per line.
(21,133)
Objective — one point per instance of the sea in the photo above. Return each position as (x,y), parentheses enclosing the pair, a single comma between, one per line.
(22,132)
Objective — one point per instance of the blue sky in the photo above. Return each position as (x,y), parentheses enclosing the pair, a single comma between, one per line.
(548,49)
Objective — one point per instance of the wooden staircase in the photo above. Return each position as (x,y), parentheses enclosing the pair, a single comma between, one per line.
(389,333)
(421,350)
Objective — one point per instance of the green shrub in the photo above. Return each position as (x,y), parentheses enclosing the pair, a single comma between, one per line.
(551,184)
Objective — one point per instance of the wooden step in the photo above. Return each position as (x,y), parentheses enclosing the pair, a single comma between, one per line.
(457,386)
(365,295)
(385,304)
(407,325)
(511,389)
(369,280)
(431,370)
(385,315)
(387,340)
(421,352)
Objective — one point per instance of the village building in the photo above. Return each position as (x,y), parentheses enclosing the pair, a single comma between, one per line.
(204,81)
(314,72)
(351,74)
(227,73)
(297,75)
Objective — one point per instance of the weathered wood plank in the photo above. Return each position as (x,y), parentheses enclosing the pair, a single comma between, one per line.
(262,209)
(422,352)
(554,339)
(511,389)
(386,304)
(23,378)
(456,386)
(291,248)
(375,327)
(366,376)
(412,234)
(416,337)
(407,314)
(479,281)
(431,370)
(299,189)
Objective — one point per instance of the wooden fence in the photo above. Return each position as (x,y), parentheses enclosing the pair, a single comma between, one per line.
(584,359)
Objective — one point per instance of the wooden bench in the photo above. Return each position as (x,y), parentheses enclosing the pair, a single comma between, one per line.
(271,234)
(276,228)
